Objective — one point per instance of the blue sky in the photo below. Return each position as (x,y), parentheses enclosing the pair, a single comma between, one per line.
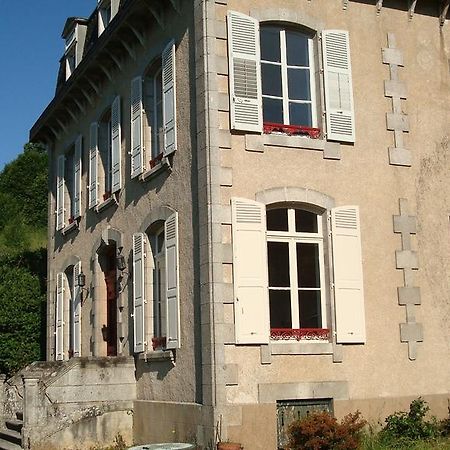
(30,49)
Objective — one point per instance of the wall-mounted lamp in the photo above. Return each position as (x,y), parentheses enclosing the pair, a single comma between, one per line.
(121,263)
(81,280)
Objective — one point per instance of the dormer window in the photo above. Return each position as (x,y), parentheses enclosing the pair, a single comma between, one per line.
(74,35)
(104,15)
(70,60)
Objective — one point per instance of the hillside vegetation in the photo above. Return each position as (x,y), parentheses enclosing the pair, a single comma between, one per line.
(23,235)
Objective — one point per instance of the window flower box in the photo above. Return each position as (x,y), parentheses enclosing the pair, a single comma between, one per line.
(307,334)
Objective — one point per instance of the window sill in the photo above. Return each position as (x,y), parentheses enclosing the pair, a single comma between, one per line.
(161,166)
(70,227)
(109,201)
(258,142)
(156,355)
(301,348)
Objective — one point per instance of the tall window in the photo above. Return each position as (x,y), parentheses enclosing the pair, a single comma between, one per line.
(153,106)
(159,287)
(104,146)
(295,267)
(287,72)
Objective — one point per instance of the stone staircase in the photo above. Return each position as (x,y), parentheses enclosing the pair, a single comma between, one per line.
(11,435)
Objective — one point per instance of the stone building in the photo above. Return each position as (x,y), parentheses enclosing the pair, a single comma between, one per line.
(248,220)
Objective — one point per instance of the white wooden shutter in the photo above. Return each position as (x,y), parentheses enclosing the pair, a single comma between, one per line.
(348,276)
(251,292)
(76,310)
(244,72)
(139,291)
(169,99)
(76,212)
(60,189)
(137,145)
(172,282)
(340,117)
(93,165)
(116,150)
(59,317)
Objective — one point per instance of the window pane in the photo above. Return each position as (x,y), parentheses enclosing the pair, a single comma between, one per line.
(299,84)
(308,265)
(297,49)
(278,257)
(270,44)
(272,110)
(300,114)
(271,79)
(280,309)
(277,219)
(310,315)
(305,221)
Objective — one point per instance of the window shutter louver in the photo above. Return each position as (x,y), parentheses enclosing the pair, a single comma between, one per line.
(93,165)
(76,212)
(139,291)
(169,98)
(348,275)
(340,117)
(60,189)
(251,295)
(76,311)
(116,150)
(59,317)
(137,147)
(172,282)
(244,72)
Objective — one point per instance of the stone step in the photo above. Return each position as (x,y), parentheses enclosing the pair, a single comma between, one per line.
(11,436)
(6,445)
(14,424)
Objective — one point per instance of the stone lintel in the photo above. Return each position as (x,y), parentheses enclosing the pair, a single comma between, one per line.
(406,259)
(392,56)
(399,156)
(411,332)
(409,295)
(397,122)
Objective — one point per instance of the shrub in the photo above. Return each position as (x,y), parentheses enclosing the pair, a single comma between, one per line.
(322,431)
(411,426)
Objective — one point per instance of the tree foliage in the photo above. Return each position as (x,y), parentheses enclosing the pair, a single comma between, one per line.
(23,224)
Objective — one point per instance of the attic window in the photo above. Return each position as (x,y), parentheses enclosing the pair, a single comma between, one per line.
(104,15)
(70,60)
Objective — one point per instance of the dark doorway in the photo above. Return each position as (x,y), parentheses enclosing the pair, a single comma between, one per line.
(110,334)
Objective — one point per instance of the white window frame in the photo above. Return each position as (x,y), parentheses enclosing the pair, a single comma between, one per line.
(104,15)
(156,138)
(284,76)
(293,237)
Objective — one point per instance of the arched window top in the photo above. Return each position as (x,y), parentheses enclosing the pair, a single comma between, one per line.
(293,220)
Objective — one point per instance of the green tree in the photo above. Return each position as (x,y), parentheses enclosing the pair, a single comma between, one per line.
(21,311)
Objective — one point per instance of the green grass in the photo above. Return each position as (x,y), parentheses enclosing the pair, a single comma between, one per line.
(373,442)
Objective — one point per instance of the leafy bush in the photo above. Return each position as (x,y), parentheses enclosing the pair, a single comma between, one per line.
(322,431)
(411,426)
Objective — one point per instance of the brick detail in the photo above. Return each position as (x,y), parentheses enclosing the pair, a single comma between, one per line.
(408,295)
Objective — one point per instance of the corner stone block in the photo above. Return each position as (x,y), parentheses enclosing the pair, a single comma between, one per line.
(409,295)
(395,88)
(406,259)
(231,374)
(411,332)
(397,122)
(332,150)
(405,224)
(392,56)
(399,156)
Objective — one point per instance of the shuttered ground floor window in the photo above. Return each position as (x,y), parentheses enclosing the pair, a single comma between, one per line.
(289,411)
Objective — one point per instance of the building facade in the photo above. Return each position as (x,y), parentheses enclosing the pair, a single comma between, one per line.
(248,208)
